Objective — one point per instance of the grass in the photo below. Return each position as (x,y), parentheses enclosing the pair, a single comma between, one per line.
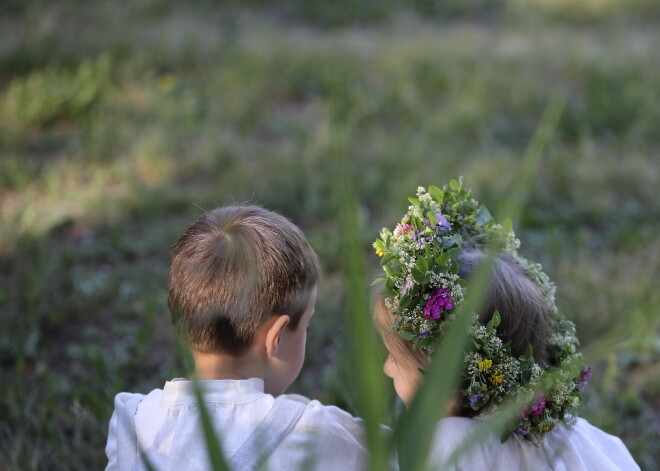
(118,125)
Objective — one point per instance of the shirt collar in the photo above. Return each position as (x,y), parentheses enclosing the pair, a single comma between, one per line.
(225,391)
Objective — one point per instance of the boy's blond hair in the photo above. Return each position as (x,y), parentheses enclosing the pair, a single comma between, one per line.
(234,268)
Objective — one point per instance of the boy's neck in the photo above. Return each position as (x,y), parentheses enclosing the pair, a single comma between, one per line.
(223,366)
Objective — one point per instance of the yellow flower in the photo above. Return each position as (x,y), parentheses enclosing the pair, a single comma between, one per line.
(545,428)
(379,252)
(484,365)
(496,379)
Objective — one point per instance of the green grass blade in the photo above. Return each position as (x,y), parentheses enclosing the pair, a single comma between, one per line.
(365,362)
(514,201)
(216,455)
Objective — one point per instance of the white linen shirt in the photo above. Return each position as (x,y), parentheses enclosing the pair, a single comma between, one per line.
(580,447)
(168,428)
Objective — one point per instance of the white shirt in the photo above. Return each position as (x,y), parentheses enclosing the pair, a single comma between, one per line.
(169,431)
(581,447)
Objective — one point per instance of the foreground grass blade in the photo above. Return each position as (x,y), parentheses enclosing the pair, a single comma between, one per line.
(637,328)
(514,201)
(365,360)
(216,455)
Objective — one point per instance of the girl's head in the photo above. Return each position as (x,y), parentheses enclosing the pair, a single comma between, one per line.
(524,321)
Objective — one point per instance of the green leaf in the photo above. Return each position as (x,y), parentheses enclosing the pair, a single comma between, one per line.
(426,342)
(495,320)
(422,265)
(436,193)
(389,283)
(386,258)
(414,201)
(483,216)
(455,185)
(529,353)
(377,281)
(417,275)
(390,292)
(432,219)
(442,259)
(455,253)
(406,335)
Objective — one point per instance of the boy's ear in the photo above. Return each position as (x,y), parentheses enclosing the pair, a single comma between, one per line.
(274,334)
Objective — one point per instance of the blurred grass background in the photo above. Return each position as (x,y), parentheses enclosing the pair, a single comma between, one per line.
(119,123)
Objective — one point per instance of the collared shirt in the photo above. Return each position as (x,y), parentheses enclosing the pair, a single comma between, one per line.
(580,447)
(169,432)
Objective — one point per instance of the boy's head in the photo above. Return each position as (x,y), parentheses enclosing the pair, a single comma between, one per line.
(232,270)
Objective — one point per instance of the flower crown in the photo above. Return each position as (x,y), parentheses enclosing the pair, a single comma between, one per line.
(423,287)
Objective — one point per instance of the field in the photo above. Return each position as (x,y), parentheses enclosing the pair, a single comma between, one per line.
(120,125)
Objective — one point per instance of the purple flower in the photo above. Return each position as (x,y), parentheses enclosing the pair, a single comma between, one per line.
(423,335)
(442,223)
(419,238)
(474,399)
(585,373)
(521,432)
(538,407)
(439,301)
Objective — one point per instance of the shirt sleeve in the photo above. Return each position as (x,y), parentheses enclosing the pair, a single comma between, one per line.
(111,445)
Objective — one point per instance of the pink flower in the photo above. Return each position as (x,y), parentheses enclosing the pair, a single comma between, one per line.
(402,229)
(439,301)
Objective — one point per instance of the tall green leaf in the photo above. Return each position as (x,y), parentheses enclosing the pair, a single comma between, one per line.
(365,361)
(216,455)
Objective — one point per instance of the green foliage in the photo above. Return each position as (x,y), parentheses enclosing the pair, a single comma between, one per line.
(117,124)
(56,93)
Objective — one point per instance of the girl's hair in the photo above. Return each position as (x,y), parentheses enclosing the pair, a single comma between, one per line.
(524,316)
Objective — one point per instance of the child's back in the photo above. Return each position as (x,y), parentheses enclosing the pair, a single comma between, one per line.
(165,426)
(582,447)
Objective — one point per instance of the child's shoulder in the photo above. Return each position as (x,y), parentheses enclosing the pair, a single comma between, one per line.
(569,446)
(328,419)
(124,400)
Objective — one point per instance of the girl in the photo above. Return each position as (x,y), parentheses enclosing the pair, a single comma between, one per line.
(515,343)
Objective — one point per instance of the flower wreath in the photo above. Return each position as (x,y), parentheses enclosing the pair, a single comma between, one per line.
(423,288)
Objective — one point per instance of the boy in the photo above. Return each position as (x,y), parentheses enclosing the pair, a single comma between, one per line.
(241,291)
